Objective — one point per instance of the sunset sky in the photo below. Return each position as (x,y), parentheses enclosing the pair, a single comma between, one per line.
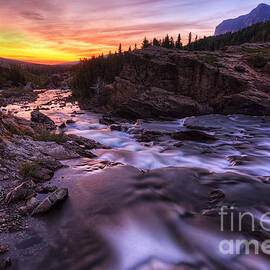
(54,31)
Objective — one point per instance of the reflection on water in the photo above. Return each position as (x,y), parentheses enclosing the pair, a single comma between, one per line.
(121,218)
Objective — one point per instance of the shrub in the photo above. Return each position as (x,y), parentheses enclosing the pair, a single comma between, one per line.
(29,169)
(257,61)
(47,136)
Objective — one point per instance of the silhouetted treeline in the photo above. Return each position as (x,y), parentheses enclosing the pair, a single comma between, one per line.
(11,76)
(166,42)
(91,74)
(14,75)
(39,69)
(259,32)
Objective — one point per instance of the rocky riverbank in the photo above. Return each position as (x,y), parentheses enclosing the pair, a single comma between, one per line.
(165,83)
(18,95)
(30,153)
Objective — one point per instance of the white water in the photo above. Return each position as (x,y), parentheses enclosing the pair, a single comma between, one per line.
(231,131)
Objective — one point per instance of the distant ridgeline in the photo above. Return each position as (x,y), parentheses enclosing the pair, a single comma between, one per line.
(260,14)
(17,74)
(256,33)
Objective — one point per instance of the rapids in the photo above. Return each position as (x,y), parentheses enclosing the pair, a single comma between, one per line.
(146,213)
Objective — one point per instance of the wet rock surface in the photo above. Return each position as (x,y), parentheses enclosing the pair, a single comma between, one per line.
(50,201)
(194,135)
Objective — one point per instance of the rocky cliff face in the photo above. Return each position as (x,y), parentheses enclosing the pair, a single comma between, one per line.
(158,82)
(260,14)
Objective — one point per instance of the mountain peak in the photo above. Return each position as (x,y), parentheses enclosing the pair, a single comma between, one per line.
(262,5)
(260,14)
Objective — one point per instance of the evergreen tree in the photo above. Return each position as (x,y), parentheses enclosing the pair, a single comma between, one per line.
(135,47)
(171,43)
(189,40)
(156,42)
(129,49)
(120,49)
(145,43)
(256,33)
(178,43)
(166,42)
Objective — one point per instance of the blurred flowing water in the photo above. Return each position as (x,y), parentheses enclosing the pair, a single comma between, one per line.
(120,218)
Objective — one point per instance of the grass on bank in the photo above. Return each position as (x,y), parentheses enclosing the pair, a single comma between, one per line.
(29,169)
(48,136)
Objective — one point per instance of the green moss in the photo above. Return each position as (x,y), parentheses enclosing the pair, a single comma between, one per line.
(210,59)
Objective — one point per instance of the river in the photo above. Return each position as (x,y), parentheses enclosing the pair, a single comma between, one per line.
(146,213)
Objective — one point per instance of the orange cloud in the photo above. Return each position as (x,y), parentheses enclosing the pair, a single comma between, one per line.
(54,31)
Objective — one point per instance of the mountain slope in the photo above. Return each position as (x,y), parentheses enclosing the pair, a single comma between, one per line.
(260,14)
(256,33)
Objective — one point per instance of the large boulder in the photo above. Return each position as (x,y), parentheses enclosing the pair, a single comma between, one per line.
(59,152)
(38,117)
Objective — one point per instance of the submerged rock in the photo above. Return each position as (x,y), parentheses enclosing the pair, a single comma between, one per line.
(50,201)
(63,125)
(193,135)
(116,127)
(3,248)
(70,121)
(149,135)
